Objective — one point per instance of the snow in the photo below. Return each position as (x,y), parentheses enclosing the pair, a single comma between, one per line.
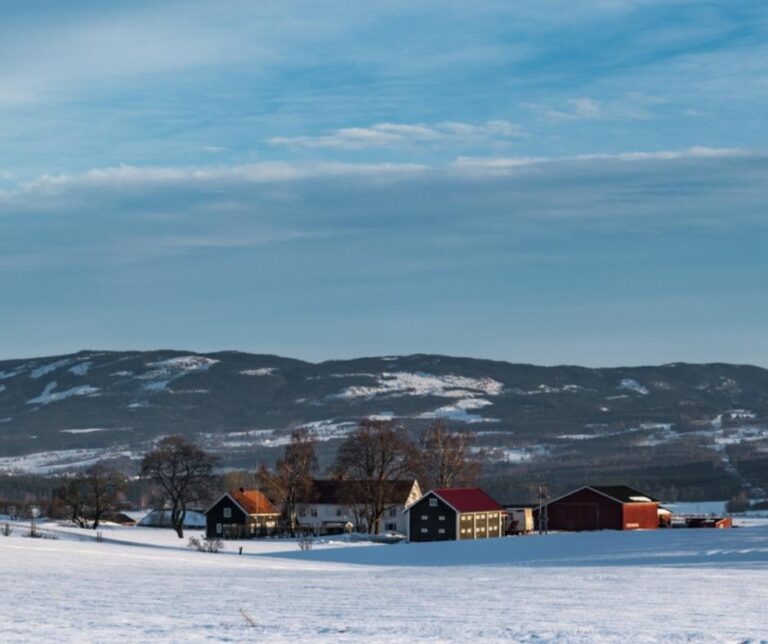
(45,369)
(48,396)
(2,388)
(5,375)
(263,371)
(460,411)
(80,369)
(633,385)
(402,383)
(85,430)
(163,372)
(60,460)
(142,585)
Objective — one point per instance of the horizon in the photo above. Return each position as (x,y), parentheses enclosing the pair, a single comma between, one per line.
(381,356)
(544,183)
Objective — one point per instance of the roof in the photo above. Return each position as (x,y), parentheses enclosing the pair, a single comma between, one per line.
(344,492)
(623,493)
(253,502)
(618,493)
(467,499)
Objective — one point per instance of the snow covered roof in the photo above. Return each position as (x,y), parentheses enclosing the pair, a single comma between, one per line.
(467,499)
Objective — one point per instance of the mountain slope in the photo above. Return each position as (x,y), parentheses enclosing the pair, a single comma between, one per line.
(94,404)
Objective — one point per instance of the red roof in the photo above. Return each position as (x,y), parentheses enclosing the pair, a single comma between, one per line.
(253,502)
(468,499)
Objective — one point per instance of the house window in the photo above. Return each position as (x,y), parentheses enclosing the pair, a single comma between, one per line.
(390,526)
(227,513)
(441,517)
(313,512)
(218,528)
(339,512)
(433,502)
(424,517)
(441,531)
(302,512)
(424,531)
(393,512)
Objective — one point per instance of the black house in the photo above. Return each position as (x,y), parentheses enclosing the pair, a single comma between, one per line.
(450,514)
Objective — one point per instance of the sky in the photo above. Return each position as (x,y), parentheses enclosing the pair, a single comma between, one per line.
(541,181)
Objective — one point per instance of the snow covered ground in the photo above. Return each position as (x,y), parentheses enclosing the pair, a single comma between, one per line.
(141,585)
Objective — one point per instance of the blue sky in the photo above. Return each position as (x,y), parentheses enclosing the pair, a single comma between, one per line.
(548,182)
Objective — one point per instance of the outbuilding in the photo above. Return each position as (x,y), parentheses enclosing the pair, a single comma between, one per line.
(241,514)
(452,514)
(602,507)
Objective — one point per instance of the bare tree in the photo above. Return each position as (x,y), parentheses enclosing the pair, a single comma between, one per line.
(73,495)
(90,496)
(183,471)
(291,479)
(373,458)
(104,486)
(445,458)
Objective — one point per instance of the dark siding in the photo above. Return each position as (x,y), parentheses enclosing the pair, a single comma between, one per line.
(585,510)
(425,522)
(233,526)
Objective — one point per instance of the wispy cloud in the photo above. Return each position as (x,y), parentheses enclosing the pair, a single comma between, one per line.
(400,134)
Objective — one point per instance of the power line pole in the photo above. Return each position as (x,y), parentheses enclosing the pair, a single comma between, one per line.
(543,508)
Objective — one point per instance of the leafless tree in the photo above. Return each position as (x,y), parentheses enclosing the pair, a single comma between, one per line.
(373,457)
(183,472)
(291,479)
(445,458)
(92,495)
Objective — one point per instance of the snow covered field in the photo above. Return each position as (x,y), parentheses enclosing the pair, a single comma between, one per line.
(692,585)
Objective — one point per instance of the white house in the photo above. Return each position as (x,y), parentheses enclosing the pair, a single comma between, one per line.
(333,506)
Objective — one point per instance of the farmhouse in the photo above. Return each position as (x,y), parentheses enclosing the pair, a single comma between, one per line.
(602,507)
(451,514)
(241,514)
(334,505)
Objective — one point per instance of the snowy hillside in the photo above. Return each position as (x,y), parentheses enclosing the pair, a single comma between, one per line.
(664,425)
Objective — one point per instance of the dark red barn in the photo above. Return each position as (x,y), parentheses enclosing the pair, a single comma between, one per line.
(603,507)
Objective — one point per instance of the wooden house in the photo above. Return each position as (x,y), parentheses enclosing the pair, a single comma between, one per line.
(241,514)
(602,507)
(333,505)
(452,514)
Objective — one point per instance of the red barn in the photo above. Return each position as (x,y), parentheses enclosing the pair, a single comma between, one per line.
(603,507)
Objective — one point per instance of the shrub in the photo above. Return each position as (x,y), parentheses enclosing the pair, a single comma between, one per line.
(7,530)
(305,543)
(204,544)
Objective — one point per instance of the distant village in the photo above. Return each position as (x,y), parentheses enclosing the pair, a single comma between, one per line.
(382,488)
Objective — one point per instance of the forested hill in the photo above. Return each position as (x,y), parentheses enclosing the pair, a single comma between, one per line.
(96,404)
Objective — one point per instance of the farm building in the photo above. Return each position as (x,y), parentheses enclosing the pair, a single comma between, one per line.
(241,514)
(602,507)
(162,519)
(451,514)
(708,522)
(519,519)
(334,506)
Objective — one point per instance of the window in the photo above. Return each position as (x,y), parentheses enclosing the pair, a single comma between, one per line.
(390,527)
(424,517)
(393,512)
(218,528)
(424,531)
(227,513)
(441,531)
(433,502)
(339,512)
(313,512)
(302,512)
(441,517)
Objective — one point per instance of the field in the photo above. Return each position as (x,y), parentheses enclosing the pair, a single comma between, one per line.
(143,585)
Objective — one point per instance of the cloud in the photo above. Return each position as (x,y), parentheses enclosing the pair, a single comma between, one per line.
(632,106)
(399,134)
